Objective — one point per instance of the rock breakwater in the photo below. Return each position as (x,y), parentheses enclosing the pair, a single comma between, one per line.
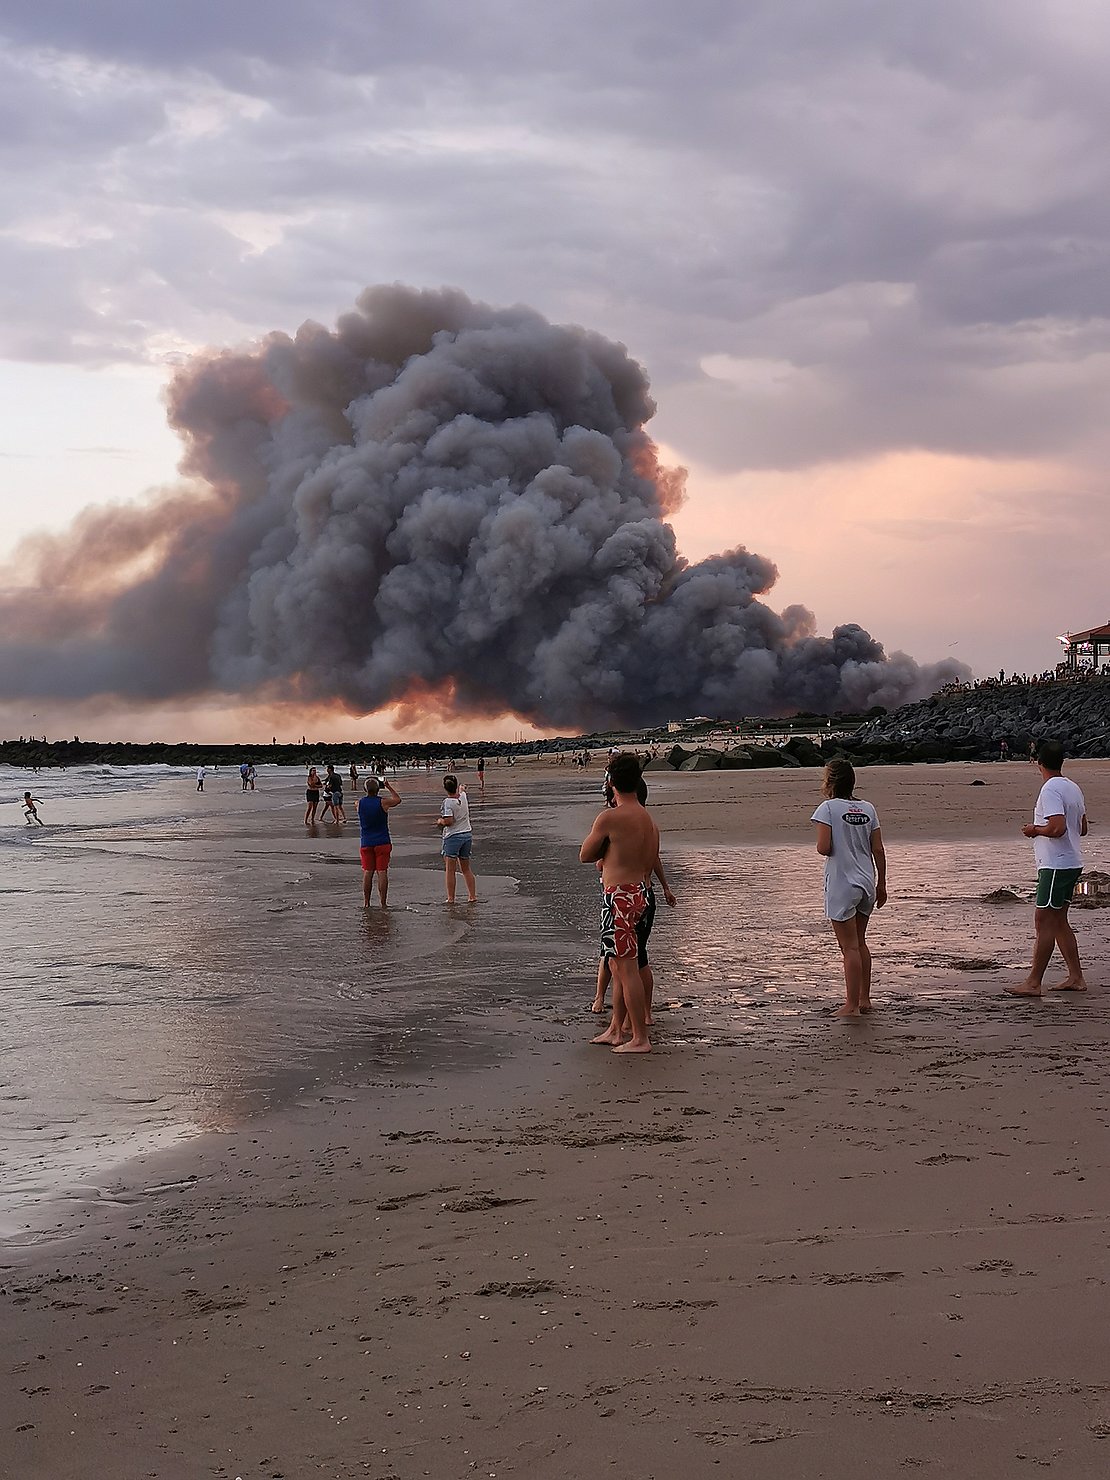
(990,720)
(981,722)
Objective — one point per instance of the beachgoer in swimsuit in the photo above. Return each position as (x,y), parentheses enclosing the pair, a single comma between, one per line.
(626,841)
(643,929)
(311,796)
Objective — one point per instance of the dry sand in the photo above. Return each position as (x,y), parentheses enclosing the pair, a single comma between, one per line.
(790,1250)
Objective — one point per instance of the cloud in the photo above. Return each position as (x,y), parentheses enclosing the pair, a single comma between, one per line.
(724,182)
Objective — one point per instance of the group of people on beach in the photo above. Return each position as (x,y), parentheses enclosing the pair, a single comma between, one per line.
(332,788)
(624,846)
(850,840)
(376,844)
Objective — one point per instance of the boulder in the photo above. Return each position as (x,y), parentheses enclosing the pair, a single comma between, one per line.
(702,761)
(804,751)
(657,763)
(767,756)
(737,759)
(928,750)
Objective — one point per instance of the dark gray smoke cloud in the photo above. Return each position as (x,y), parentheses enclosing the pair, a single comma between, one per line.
(439,502)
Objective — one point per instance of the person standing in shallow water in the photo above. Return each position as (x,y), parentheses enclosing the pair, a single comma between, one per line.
(311,796)
(1059,821)
(626,841)
(375,844)
(849,840)
(333,794)
(454,821)
(643,927)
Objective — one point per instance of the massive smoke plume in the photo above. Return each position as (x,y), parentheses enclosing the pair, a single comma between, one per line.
(437,498)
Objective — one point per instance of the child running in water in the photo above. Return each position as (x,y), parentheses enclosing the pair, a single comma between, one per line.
(849,840)
(30,810)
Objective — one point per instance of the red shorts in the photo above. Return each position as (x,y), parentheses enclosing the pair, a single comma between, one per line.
(375,860)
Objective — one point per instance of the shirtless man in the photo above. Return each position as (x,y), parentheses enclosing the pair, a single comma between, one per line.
(626,840)
(643,929)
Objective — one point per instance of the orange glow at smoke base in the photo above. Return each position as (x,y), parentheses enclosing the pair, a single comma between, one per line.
(428,711)
(221,721)
(670,481)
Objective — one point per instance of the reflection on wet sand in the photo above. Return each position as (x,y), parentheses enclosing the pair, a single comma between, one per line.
(749,950)
(163,984)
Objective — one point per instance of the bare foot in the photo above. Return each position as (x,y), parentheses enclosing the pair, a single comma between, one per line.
(865,1005)
(846,1012)
(1025,990)
(633,1047)
(649,1021)
(598,1004)
(1070,986)
(608,1037)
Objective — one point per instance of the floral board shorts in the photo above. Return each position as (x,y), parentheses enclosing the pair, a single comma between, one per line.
(622,908)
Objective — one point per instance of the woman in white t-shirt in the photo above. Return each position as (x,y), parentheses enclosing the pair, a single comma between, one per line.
(454,821)
(849,840)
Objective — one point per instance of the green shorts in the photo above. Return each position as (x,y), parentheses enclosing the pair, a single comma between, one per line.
(1055,887)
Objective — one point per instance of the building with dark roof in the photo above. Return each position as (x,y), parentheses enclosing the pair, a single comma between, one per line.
(1087,651)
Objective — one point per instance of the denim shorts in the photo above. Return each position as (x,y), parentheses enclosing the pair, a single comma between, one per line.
(458,845)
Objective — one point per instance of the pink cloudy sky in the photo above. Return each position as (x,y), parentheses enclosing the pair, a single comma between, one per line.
(860,248)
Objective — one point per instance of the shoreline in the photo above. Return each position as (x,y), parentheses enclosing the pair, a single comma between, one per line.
(796,1250)
(772,812)
(769,808)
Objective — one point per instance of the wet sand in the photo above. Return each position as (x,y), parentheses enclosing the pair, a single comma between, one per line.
(777,1247)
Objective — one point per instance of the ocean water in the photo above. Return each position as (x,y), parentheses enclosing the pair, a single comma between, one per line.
(176,963)
(765,957)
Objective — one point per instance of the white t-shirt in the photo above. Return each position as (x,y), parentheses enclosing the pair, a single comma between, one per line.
(458,809)
(852,823)
(1059,797)
(201,773)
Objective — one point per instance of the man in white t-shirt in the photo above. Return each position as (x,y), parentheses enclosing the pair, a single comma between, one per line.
(1059,821)
(454,820)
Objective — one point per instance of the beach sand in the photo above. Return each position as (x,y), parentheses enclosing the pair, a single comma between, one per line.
(779,1246)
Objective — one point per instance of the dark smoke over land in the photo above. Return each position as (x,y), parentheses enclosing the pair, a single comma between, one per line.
(439,503)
